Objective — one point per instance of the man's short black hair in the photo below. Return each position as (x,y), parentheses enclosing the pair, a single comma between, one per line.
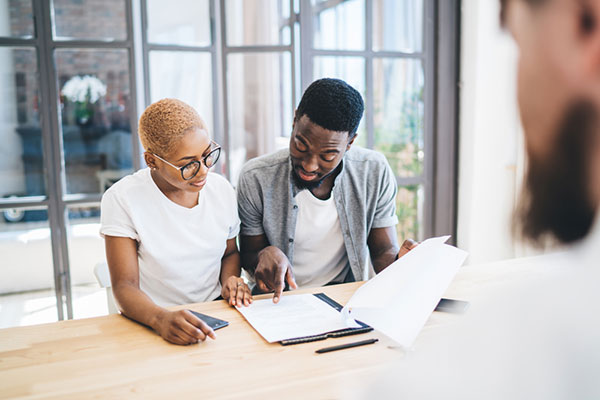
(332,104)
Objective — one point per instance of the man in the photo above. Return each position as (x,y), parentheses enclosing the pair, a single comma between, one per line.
(540,340)
(312,214)
(559,101)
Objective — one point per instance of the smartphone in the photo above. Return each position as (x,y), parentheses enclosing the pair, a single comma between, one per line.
(452,306)
(214,323)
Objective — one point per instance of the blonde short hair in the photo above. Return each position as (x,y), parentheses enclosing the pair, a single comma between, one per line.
(164,123)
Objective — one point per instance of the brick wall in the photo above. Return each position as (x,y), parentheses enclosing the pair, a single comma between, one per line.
(21,17)
(89,19)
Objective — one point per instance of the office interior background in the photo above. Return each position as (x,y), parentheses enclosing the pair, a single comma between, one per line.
(437,77)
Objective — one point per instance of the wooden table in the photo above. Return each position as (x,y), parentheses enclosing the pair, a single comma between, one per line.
(113,357)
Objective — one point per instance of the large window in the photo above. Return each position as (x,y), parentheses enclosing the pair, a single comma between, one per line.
(179,53)
(380,48)
(233,61)
(66,125)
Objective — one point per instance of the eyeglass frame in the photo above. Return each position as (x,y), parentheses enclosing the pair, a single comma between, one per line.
(201,161)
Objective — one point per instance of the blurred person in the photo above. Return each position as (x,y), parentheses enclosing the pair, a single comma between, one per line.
(170,229)
(537,339)
(311,215)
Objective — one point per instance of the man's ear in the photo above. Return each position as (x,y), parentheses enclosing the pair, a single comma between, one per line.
(295,118)
(150,160)
(589,30)
(350,142)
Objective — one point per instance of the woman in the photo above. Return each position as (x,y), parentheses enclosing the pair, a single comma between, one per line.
(170,229)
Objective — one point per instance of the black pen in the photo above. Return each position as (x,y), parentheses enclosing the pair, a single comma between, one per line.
(346,346)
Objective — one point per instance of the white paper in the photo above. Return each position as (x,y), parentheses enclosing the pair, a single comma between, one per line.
(399,300)
(294,316)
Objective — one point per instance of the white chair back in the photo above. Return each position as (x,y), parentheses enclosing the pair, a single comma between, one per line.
(102,274)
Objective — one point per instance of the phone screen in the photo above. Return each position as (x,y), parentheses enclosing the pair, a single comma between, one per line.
(214,323)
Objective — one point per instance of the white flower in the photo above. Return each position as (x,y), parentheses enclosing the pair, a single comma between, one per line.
(84,89)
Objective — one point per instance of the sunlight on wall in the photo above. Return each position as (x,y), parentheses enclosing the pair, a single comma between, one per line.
(489,135)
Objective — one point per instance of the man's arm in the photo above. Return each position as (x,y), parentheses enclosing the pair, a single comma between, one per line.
(383,246)
(269,264)
(382,241)
(250,246)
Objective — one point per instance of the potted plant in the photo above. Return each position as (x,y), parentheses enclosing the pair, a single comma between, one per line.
(83,92)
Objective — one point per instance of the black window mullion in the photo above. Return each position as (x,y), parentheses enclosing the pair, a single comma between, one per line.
(133,106)
(51,147)
(444,208)
(428,64)
(369,92)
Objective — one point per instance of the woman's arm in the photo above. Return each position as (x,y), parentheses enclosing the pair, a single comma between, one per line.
(179,327)
(235,291)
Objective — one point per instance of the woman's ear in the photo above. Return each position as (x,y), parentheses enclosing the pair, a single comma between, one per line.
(150,160)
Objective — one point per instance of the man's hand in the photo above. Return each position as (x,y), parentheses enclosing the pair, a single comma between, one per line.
(407,246)
(272,271)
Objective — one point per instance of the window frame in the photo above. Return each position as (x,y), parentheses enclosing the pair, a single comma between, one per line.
(56,200)
(439,55)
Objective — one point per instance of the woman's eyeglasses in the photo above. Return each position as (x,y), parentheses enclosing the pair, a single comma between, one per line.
(189,170)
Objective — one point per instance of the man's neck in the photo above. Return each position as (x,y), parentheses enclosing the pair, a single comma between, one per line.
(324,190)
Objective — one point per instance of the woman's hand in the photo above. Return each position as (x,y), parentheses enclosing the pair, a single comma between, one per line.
(181,327)
(236,292)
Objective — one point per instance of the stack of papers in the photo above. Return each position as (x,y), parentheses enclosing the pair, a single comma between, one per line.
(397,302)
(294,316)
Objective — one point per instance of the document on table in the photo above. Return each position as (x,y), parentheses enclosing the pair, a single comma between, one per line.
(399,300)
(294,316)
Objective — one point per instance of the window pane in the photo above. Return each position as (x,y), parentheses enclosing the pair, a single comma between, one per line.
(86,249)
(409,209)
(339,25)
(95,107)
(399,108)
(398,25)
(257,22)
(27,294)
(352,71)
(260,105)
(185,76)
(16,19)
(89,19)
(21,157)
(179,22)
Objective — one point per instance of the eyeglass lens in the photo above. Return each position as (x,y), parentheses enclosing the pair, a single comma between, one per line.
(191,169)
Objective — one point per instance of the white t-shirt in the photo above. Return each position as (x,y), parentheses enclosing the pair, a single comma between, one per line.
(319,251)
(179,248)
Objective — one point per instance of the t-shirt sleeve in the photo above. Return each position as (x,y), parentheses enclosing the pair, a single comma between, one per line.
(250,207)
(234,226)
(385,211)
(114,218)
